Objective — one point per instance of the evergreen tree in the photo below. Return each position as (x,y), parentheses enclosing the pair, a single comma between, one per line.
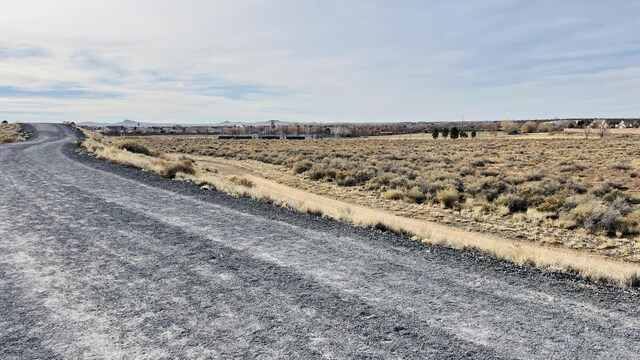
(454,133)
(473,134)
(445,133)
(435,133)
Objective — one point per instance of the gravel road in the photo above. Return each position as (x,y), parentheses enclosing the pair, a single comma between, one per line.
(99,260)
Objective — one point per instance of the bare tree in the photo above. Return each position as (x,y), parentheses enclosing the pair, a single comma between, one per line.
(493,129)
(529,127)
(508,126)
(587,129)
(602,127)
(545,127)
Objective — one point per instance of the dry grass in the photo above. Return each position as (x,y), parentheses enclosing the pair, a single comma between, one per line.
(11,133)
(592,267)
(489,182)
(382,182)
(165,165)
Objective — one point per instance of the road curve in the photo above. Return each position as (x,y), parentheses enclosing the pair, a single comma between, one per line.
(98,260)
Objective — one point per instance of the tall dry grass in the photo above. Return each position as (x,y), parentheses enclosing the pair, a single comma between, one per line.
(11,133)
(160,164)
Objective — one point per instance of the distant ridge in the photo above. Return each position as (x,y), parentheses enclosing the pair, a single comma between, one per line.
(133,123)
(126,122)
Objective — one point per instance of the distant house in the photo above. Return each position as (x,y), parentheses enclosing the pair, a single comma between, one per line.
(114,129)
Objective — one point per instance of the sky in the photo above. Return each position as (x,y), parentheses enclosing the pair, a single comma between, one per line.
(195,61)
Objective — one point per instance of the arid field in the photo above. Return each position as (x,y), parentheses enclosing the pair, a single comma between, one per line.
(576,193)
(552,202)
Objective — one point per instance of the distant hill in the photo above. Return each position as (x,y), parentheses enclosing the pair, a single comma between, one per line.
(130,123)
(133,123)
(126,122)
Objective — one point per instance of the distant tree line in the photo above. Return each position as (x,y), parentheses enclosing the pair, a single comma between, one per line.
(452,133)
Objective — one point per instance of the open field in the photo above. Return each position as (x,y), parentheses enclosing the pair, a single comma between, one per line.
(499,187)
(575,193)
(11,133)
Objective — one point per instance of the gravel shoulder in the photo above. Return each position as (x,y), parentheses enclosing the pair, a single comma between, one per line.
(102,260)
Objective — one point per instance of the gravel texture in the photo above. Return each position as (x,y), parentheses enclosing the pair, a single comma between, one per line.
(99,260)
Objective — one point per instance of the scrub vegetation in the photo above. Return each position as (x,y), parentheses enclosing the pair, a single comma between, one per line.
(572,193)
(11,133)
(576,192)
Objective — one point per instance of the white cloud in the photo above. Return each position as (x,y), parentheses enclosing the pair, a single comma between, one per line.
(201,61)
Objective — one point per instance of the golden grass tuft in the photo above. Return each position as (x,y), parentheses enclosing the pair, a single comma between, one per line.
(11,133)
(165,166)
(449,197)
(241,181)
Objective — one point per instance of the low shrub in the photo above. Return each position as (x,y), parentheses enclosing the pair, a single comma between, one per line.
(133,147)
(449,198)
(183,166)
(488,189)
(382,180)
(535,175)
(466,171)
(552,203)
(315,212)
(316,174)
(398,182)
(601,190)
(514,179)
(629,224)
(241,181)
(485,206)
(596,217)
(617,185)
(572,167)
(353,177)
(266,199)
(415,195)
(620,166)
(583,215)
(621,204)
(8,139)
(490,173)
(534,193)
(393,195)
(302,166)
(589,213)
(512,202)
(348,181)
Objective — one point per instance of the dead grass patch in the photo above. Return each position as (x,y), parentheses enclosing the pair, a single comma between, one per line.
(11,133)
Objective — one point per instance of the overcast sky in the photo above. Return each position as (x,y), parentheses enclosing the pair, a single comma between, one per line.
(352,61)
